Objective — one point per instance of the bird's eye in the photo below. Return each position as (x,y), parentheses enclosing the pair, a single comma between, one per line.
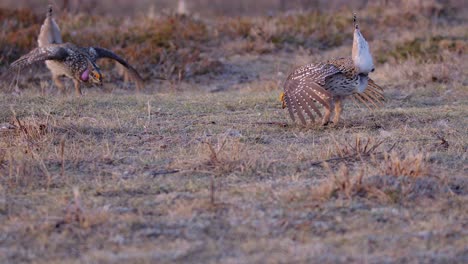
(373,69)
(96,75)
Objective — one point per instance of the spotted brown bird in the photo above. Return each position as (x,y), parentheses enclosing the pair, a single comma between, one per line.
(67,59)
(328,83)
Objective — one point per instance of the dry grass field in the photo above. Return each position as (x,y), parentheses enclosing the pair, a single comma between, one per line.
(204,166)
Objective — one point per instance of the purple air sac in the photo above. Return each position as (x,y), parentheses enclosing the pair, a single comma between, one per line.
(85,76)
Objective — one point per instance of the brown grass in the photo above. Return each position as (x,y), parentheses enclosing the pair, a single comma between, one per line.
(411,165)
(207,167)
(360,147)
(394,182)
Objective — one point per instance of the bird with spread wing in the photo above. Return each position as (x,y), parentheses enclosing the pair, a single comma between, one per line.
(67,59)
(329,83)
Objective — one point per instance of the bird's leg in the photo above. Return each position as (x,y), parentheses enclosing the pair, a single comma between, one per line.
(77,88)
(328,110)
(338,110)
(59,83)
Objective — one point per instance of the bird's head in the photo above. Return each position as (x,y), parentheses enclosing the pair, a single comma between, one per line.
(92,75)
(361,55)
(95,77)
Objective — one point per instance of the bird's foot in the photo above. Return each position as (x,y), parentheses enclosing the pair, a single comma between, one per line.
(335,122)
(327,123)
(330,124)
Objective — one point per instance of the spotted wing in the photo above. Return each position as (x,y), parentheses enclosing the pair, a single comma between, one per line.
(100,53)
(40,54)
(372,97)
(304,88)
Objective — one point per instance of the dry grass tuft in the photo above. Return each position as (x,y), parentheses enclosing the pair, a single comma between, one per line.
(339,183)
(344,185)
(352,149)
(401,180)
(411,165)
(359,147)
(22,153)
(225,155)
(31,132)
(76,213)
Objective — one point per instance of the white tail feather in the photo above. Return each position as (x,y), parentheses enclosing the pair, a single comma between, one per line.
(362,57)
(50,31)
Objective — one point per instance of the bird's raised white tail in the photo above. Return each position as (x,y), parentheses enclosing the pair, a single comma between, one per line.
(361,55)
(50,31)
